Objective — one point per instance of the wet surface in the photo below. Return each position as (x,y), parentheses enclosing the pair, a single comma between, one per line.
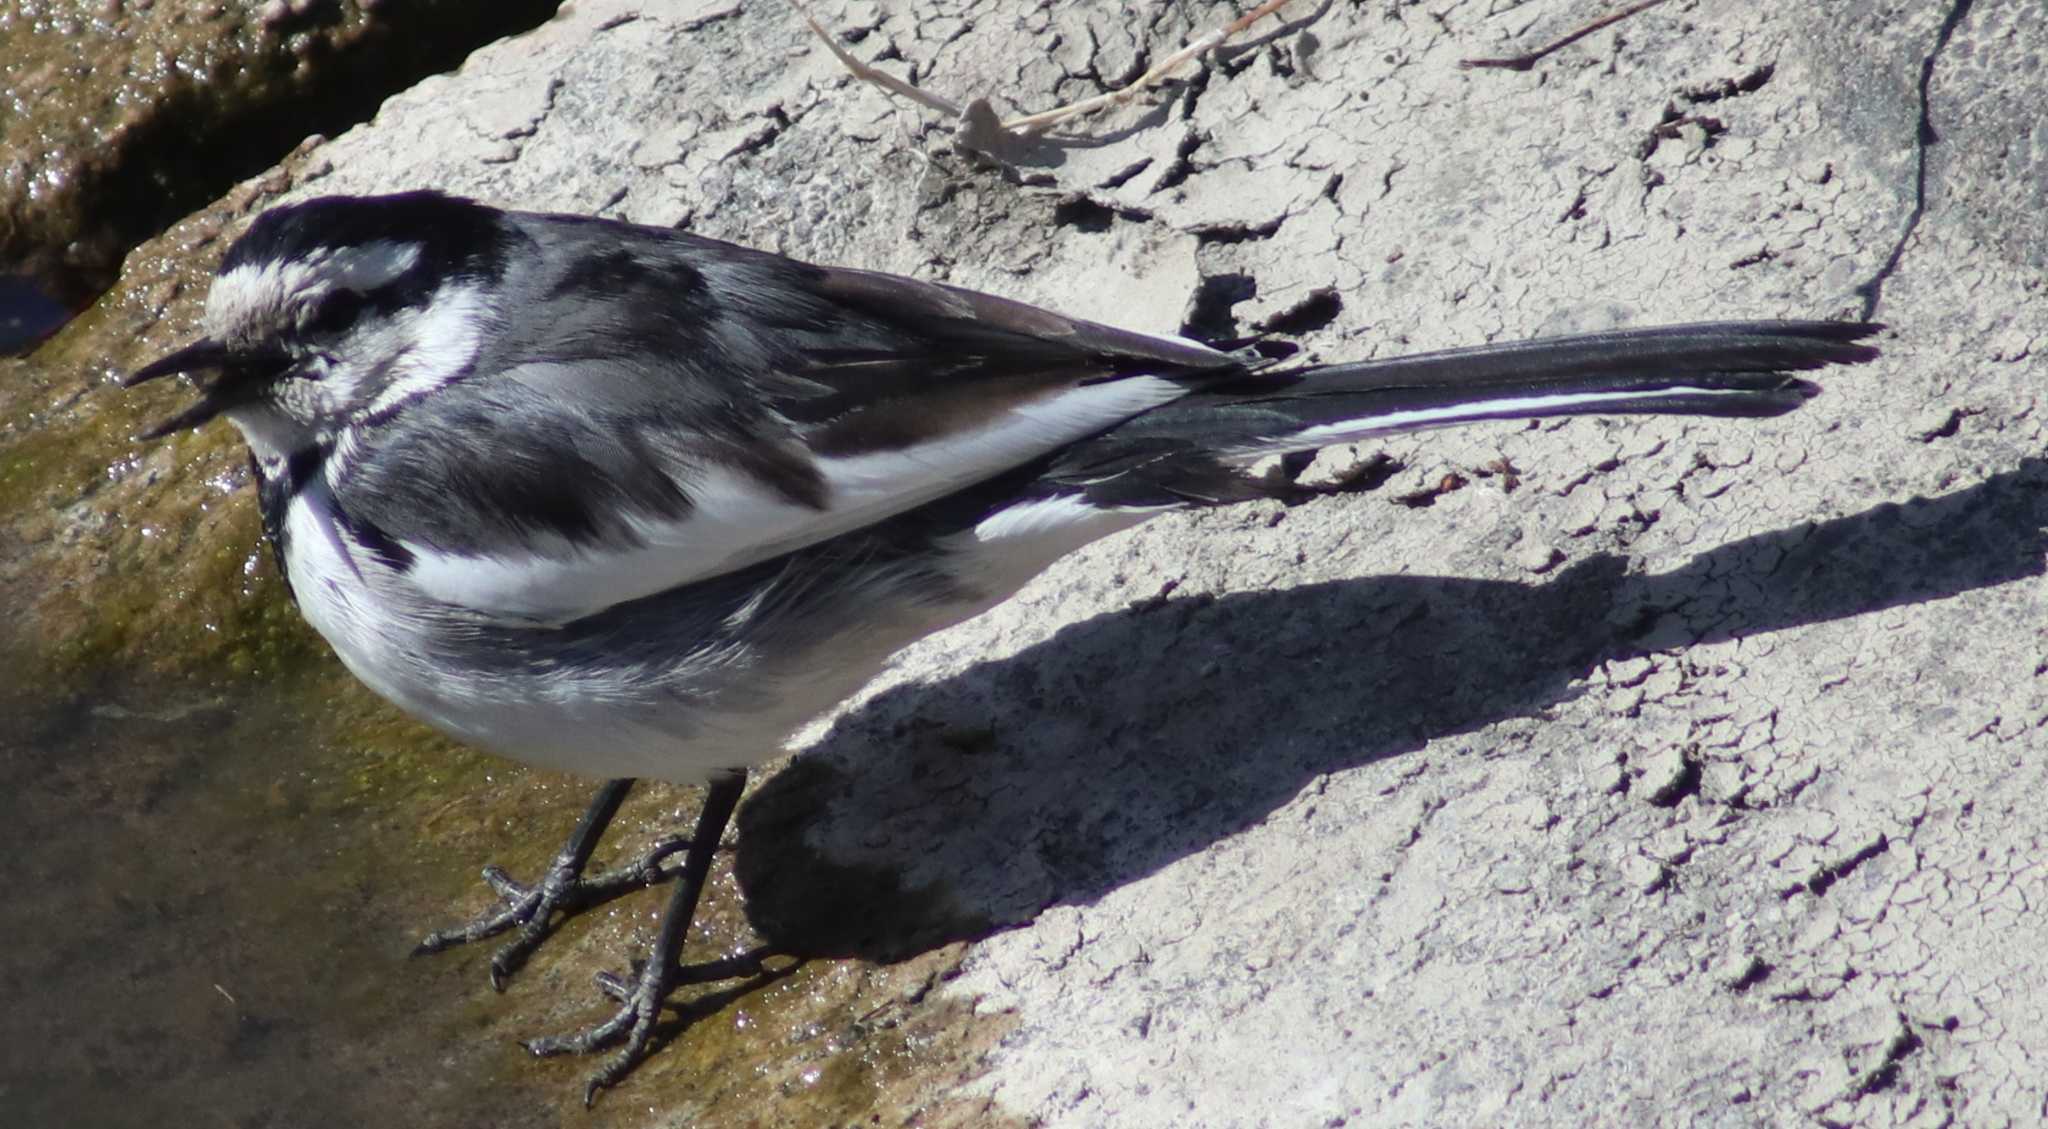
(207,927)
(27,314)
(214,896)
(117,117)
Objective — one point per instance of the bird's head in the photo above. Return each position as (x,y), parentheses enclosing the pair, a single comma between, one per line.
(336,308)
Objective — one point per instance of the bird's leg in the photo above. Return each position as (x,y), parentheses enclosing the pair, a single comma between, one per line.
(640,999)
(563,889)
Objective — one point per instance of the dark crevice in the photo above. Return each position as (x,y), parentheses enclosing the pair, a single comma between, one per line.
(1281,60)
(1576,210)
(1294,464)
(1133,69)
(1125,175)
(1196,85)
(1209,316)
(1670,126)
(1756,973)
(773,123)
(1315,312)
(1826,878)
(1091,215)
(1225,233)
(1947,428)
(1230,64)
(1748,83)
(1083,214)
(1804,994)
(1925,138)
(1886,1074)
(1177,173)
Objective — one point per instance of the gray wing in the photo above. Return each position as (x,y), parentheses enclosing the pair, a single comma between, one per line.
(687,407)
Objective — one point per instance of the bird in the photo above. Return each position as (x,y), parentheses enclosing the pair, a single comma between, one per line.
(634,503)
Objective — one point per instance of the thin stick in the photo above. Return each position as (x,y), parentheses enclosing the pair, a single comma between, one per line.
(1201,45)
(1529,60)
(882,79)
(1038,123)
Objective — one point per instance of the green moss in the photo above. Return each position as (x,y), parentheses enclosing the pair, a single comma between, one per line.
(127,570)
(32,464)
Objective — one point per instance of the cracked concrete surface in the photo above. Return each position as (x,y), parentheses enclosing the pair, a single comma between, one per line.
(1591,772)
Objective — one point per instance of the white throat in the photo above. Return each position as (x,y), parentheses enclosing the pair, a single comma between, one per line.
(272,436)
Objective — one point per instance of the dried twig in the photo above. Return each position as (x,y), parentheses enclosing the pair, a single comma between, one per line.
(1031,125)
(865,73)
(1528,60)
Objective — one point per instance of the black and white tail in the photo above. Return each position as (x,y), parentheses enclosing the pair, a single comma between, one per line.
(1188,452)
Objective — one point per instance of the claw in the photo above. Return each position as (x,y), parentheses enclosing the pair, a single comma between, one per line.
(640,998)
(535,909)
(505,884)
(613,985)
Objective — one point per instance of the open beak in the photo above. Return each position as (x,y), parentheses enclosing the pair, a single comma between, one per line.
(202,354)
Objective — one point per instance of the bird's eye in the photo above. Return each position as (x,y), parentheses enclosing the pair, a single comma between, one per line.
(335,312)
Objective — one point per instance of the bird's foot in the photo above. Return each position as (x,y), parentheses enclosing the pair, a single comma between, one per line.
(533,909)
(640,1000)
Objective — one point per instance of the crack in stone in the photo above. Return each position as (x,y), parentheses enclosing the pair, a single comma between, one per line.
(1182,167)
(1237,231)
(1316,310)
(1209,316)
(1885,1074)
(1831,873)
(1925,137)
(1750,82)
(1669,127)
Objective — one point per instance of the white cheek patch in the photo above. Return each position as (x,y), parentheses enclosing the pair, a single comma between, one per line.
(737,521)
(440,338)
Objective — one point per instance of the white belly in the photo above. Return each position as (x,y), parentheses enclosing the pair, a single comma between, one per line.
(676,686)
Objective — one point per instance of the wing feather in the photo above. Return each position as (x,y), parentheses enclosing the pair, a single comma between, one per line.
(767,406)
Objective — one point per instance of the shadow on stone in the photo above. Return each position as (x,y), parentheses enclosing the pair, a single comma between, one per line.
(1131,740)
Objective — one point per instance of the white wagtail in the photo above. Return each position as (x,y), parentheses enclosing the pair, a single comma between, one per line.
(631,502)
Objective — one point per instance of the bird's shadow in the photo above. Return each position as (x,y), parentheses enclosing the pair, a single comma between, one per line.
(941,812)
